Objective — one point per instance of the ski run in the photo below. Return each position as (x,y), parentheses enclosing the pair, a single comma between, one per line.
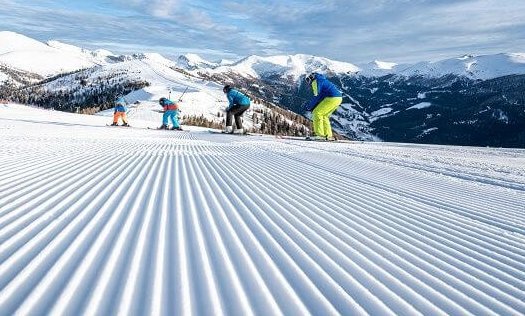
(131,221)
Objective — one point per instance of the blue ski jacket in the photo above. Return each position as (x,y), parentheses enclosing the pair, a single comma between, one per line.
(237,98)
(322,88)
(120,105)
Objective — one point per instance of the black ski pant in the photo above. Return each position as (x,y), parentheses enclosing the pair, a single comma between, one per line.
(236,112)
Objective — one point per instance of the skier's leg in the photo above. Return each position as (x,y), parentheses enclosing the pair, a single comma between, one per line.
(124,118)
(238,116)
(229,118)
(115,118)
(318,126)
(175,119)
(165,119)
(323,111)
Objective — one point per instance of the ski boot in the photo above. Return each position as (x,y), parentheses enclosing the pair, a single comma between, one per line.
(316,138)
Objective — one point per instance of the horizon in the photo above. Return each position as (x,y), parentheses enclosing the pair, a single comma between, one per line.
(240,58)
(399,31)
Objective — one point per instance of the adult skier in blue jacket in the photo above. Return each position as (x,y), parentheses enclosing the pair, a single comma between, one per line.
(326,100)
(238,104)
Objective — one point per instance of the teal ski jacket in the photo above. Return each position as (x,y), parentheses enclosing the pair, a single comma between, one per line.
(237,98)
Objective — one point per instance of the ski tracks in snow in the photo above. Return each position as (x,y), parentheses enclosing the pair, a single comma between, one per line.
(109,221)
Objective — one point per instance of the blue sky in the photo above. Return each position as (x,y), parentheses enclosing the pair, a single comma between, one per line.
(346,30)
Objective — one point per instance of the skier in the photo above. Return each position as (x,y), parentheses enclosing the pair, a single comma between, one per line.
(171,111)
(120,112)
(238,104)
(326,100)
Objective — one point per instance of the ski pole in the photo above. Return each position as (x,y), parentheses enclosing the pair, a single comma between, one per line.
(180,99)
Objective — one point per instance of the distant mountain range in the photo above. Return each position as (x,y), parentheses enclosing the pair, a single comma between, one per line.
(468,100)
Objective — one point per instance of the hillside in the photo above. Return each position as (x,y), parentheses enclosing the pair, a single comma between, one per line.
(467,100)
(107,221)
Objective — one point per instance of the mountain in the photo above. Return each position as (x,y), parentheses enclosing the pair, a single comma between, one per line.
(98,220)
(141,77)
(285,66)
(193,61)
(469,100)
(25,54)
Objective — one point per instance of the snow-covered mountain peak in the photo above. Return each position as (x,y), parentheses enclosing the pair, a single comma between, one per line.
(24,53)
(286,66)
(384,65)
(193,61)
(474,67)
(14,42)
(158,58)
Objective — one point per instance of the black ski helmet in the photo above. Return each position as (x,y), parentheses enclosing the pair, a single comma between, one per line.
(226,88)
(162,100)
(310,77)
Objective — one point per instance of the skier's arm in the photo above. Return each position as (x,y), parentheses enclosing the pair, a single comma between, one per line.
(317,96)
(230,100)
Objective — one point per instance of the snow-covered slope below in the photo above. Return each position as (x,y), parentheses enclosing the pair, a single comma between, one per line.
(24,53)
(199,96)
(106,221)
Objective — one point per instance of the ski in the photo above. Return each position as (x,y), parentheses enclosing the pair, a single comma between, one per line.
(306,139)
(110,125)
(165,129)
(212,131)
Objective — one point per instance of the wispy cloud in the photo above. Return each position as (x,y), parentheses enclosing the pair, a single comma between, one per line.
(349,30)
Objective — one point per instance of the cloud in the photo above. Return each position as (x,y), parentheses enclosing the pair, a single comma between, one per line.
(348,30)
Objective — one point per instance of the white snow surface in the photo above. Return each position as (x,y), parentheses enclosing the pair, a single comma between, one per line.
(111,220)
(475,67)
(24,53)
(419,106)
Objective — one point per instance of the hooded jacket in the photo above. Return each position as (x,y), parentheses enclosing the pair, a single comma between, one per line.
(322,88)
(237,98)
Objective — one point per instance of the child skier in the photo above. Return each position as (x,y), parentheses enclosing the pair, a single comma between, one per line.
(238,104)
(120,112)
(171,111)
(326,100)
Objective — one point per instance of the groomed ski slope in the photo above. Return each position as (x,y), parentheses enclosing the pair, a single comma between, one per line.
(112,221)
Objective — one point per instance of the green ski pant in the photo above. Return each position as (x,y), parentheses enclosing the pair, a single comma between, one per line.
(321,115)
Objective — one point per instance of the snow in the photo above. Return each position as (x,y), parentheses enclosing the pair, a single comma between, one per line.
(420,106)
(105,220)
(285,65)
(381,111)
(476,67)
(27,54)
